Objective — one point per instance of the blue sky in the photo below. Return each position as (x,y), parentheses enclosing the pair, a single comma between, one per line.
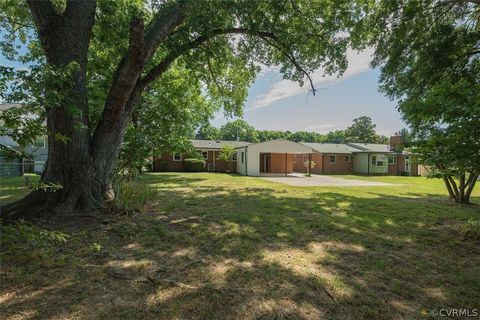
(277,104)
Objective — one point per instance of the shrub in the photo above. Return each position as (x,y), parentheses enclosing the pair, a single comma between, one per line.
(469,230)
(131,197)
(194,165)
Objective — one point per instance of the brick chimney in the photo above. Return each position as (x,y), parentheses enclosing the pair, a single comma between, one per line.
(396,141)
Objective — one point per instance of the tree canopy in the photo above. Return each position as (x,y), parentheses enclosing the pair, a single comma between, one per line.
(362,130)
(429,54)
(95,63)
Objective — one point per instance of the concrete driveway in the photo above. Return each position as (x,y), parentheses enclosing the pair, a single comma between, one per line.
(323,181)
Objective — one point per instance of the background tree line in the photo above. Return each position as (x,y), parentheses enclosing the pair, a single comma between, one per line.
(362,130)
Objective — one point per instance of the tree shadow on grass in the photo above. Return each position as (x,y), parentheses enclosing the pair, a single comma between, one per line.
(214,252)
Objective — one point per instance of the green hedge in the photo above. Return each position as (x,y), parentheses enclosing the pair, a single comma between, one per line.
(194,165)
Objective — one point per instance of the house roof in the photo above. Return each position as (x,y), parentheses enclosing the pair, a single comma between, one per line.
(370,147)
(216,144)
(279,146)
(330,147)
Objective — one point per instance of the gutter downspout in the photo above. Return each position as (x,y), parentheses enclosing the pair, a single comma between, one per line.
(323,163)
(368,159)
(246,167)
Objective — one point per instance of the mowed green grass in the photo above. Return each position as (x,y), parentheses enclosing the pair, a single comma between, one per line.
(218,246)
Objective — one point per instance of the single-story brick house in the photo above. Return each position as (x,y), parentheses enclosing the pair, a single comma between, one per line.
(284,157)
(209,150)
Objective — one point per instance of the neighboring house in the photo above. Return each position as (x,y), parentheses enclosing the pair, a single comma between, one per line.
(38,150)
(209,151)
(9,167)
(283,157)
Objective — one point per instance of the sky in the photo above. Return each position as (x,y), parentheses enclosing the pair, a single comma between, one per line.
(277,104)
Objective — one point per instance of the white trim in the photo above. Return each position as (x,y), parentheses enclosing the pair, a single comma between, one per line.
(203,156)
(349,157)
(173,156)
(394,159)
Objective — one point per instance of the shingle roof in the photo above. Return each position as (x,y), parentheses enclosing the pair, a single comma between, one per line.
(216,144)
(330,147)
(370,147)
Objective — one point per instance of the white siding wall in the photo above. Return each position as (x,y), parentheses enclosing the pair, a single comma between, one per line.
(240,165)
(380,157)
(252,154)
(360,163)
(253,163)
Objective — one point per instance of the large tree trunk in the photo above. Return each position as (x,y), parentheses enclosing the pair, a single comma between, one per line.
(462,192)
(82,164)
(65,38)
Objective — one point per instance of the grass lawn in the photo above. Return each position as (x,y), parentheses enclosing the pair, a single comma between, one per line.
(218,246)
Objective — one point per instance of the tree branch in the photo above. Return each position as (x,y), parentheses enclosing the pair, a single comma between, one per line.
(270,38)
(162,27)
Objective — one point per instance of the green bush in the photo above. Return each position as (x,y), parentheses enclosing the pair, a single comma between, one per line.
(194,165)
(131,197)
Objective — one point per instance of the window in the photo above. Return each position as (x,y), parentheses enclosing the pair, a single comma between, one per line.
(333,159)
(243,156)
(392,160)
(177,157)
(380,163)
(205,155)
(39,142)
(234,158)
(347,158)
(374,160)
(305,158)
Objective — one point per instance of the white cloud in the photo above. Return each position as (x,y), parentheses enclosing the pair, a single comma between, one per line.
(357,63)
(323,128)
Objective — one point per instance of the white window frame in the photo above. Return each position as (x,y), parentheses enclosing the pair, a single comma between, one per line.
(330,159)
(203,157)
(373,161)
(348,158)
(38,139)
(175,154)
(380,165)
(394,159)
(243,157)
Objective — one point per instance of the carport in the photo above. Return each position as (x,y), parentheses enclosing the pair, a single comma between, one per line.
(269,158)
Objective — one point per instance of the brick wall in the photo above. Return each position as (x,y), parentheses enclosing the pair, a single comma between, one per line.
(395,142)
(323,165)
(341,165)
(167,158)
(277,163)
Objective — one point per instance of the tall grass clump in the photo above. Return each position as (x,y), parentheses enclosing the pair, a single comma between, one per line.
(469,230)
(131,197)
